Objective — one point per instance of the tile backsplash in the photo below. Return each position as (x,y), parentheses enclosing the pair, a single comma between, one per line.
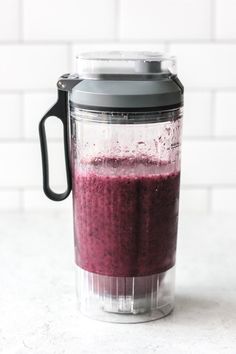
(39,41)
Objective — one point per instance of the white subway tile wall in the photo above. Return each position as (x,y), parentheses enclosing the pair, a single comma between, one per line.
(39,41)
(209,163)
(35,105)
(10,200)
(165,20)
(69,20)
(31,66)
(194,200)
(225,115)
(9,20)
(225,19)
(206,65)
(10,105)
(223,200)
(197,114)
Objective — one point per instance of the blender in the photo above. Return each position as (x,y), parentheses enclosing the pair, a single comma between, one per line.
(122,122)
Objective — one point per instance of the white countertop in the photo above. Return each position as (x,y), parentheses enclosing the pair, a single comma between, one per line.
(37,298)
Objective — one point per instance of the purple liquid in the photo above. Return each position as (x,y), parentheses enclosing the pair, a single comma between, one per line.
(125,216)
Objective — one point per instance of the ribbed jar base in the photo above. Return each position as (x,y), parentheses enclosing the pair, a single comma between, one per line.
(125,299)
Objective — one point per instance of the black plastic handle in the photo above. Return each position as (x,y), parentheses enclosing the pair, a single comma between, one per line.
(59,110)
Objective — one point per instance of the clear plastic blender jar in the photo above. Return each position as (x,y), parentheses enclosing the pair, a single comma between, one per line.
(122,118)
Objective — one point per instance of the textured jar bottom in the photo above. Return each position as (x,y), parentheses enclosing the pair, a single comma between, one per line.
(125,299)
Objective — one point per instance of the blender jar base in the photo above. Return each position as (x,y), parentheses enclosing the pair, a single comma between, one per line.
(125,299)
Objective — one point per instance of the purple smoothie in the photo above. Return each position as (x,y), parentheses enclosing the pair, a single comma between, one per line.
(125,216)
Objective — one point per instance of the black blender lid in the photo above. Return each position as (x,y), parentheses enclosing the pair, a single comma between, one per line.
(126,81)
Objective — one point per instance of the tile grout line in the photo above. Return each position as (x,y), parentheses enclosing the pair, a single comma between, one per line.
(207,186)
(56,42)
(25,91)
(185,187)
(211,138)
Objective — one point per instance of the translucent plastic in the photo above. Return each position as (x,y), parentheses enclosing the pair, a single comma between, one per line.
(125,299)
(93,64)
(126,173)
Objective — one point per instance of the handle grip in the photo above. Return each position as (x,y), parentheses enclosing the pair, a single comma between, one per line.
(59,110)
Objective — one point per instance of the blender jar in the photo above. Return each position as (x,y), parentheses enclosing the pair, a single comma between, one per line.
(122,117)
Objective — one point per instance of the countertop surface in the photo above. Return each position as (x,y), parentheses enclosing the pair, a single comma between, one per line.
(38,311)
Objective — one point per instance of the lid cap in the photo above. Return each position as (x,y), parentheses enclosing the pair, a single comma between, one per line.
(126,81)
(95,64)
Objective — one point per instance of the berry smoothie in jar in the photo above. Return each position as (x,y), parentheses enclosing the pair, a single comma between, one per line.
(126,214)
